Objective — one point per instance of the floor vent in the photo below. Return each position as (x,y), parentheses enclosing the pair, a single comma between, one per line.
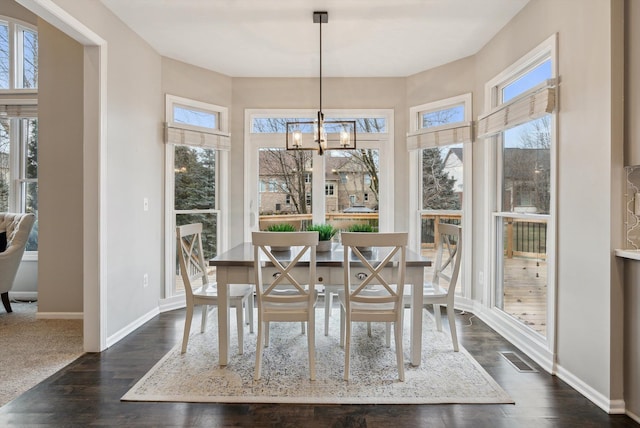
(518,362)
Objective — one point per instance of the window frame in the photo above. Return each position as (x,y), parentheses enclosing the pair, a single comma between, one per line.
(415,190)
(541,347)
(171,298)
(16,52)
(382,141)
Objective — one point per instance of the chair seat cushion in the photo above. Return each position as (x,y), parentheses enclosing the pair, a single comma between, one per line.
(235,290)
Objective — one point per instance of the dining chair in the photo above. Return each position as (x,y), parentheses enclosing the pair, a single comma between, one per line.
(198,290)
(285,286)
(373,294)
(446,269)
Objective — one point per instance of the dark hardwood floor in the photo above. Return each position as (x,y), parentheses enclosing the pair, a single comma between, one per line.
(88,391)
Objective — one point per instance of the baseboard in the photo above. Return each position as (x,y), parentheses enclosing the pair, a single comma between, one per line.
(30,296)
(171,304)
(614,407)
(633,416)
(59,315)
(122,333)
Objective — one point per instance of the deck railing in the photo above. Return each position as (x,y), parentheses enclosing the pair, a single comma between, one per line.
(523,237)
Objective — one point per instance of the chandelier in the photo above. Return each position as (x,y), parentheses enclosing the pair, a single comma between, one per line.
(321,134)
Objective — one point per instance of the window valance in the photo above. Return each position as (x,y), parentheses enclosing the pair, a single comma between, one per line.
(18,110)
(443,135)
(211,139)
(530,105)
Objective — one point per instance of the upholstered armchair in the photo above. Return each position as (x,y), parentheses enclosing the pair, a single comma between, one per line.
(17,228)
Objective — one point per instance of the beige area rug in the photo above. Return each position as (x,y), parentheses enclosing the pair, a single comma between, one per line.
(31,350)
(443,377)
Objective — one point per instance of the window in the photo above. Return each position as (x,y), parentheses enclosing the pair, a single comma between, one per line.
(18,121)
(196,154)
(340,173)
(329,189)
(522,148)
(18,56)
(438,143)
(19,170)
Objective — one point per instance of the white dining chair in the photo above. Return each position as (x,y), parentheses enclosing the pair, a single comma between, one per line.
(287,292)
(373,294)
(198,290)
(446,269)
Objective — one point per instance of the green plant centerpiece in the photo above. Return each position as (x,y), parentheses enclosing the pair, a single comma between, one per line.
(325,234)
(361,227)
(281,227)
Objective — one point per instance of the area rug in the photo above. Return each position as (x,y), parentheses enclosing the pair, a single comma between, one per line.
(33,349)
(443,377)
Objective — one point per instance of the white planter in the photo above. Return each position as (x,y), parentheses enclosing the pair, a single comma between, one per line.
(323,246)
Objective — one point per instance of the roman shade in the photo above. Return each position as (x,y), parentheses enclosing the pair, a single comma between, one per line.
(530,105)
(18,110)
(443,135)
(189,137)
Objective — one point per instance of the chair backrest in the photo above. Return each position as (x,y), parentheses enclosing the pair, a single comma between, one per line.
(448,255)
(283,286)
(390,250)
(17,227)
(191,256)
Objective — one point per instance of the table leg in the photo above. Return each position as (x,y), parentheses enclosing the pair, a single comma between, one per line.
(223,315)
(415,276)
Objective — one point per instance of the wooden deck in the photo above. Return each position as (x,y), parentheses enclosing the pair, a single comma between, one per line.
(525,292)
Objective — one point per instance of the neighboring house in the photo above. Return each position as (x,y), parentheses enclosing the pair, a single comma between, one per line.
(282,190)
(453,166)
(526,180)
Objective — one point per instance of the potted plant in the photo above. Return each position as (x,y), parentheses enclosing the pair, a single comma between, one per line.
(325,234)
(361,227)
(281,227)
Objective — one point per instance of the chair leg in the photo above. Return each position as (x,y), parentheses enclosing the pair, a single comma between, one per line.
(347,345)
(327,310)
(187,327)
(436,313)
(259,348)
(311,339)
(369,328)
(342,319)
(205,313)
(6,302)
(250,310)
(302,327)
(240,327)
(397,330)
(451,315)
(388,334)
(266,333)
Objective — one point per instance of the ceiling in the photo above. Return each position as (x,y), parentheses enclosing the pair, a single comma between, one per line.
(277,38)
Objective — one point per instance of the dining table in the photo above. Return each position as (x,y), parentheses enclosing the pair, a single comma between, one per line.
(236,266)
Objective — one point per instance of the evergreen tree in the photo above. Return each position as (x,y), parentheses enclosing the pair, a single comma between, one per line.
(437,186)
(195,172)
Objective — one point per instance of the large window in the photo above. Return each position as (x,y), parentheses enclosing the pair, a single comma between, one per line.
(438,139)
(348,182)
(523,147)
(18,55)
(196,144)
(18,121)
